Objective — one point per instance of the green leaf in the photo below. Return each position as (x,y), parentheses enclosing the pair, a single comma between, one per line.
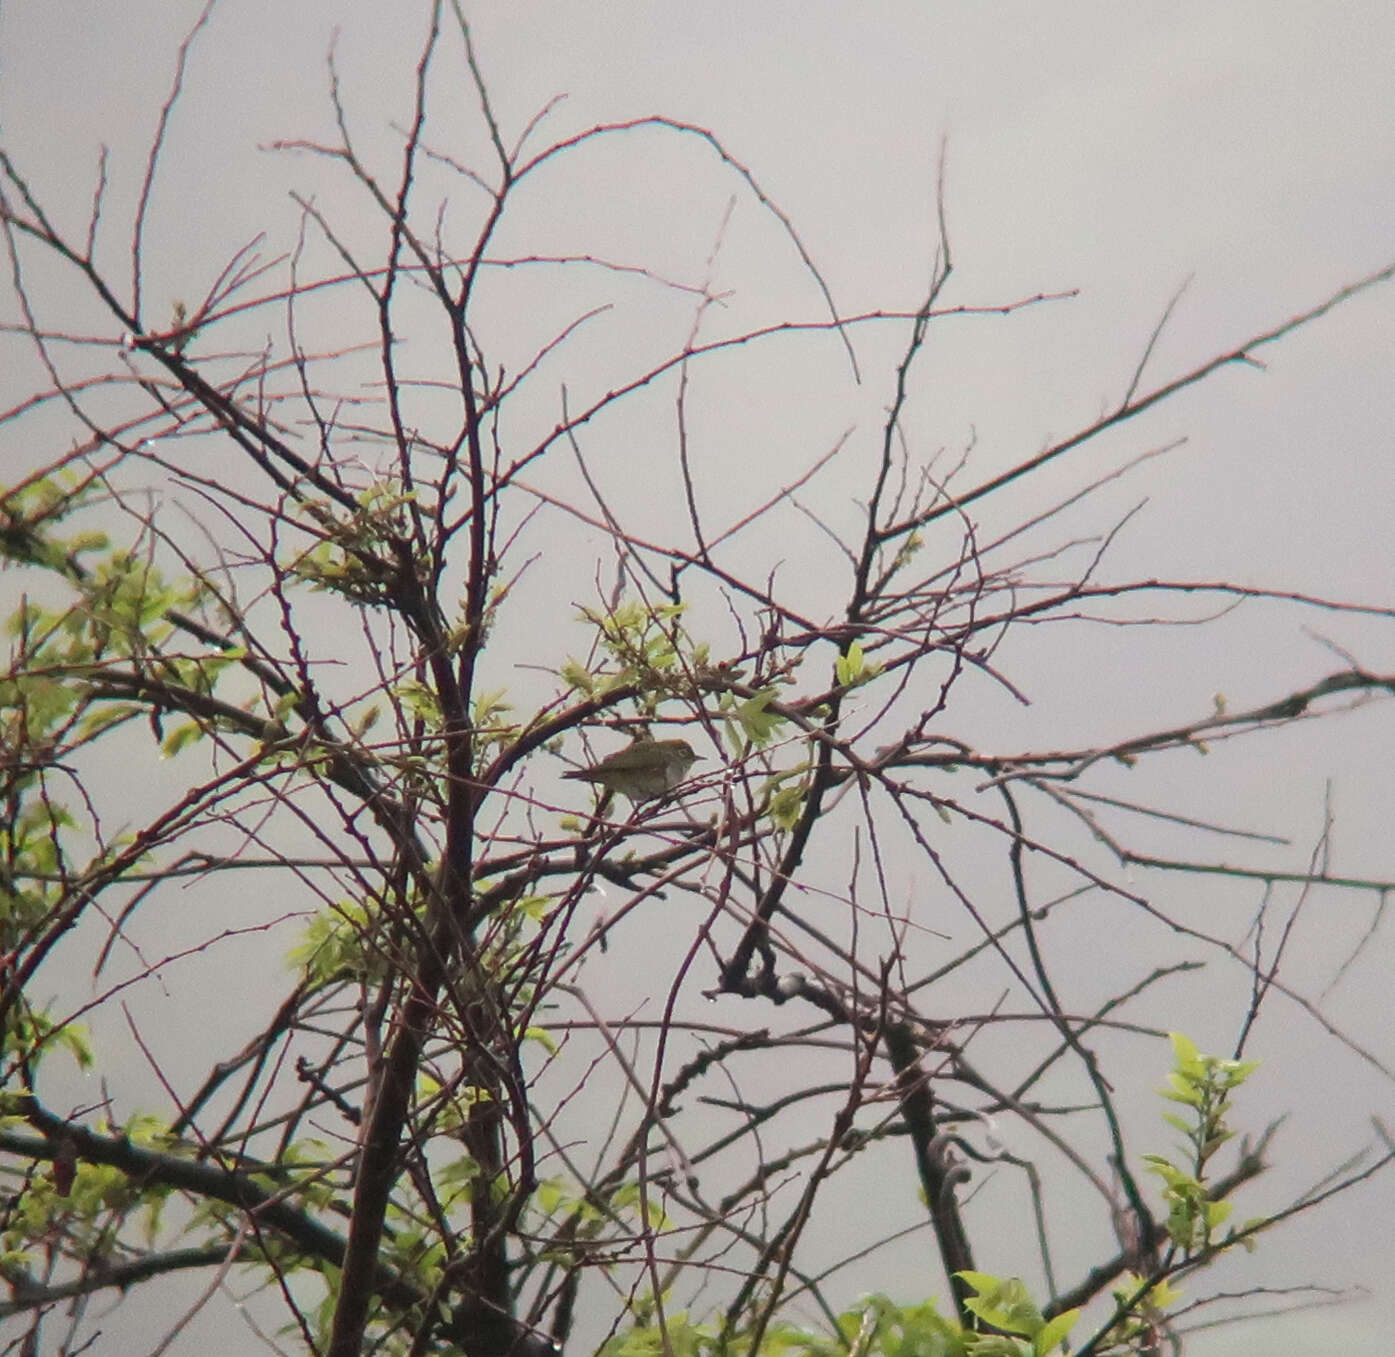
(421,702)
(1005,1303)
(181,737)
(787,804)
(1184,1050)
(758,724)
(1049,1338)
(1183,1090)
(490,704)
(576,675)
(543,1037)
(848,666)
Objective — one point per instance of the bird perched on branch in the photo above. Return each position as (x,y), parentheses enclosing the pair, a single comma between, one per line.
(643,770)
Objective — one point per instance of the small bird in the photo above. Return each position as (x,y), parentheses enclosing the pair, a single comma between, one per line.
(643,770)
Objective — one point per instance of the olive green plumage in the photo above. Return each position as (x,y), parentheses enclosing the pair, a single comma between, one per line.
(643,770)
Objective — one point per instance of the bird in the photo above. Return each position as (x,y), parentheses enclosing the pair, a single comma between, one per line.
(643,770)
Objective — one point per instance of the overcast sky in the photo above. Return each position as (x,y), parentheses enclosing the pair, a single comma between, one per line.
(1120,149)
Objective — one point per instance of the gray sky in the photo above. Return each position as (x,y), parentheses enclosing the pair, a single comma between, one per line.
(1118,149)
